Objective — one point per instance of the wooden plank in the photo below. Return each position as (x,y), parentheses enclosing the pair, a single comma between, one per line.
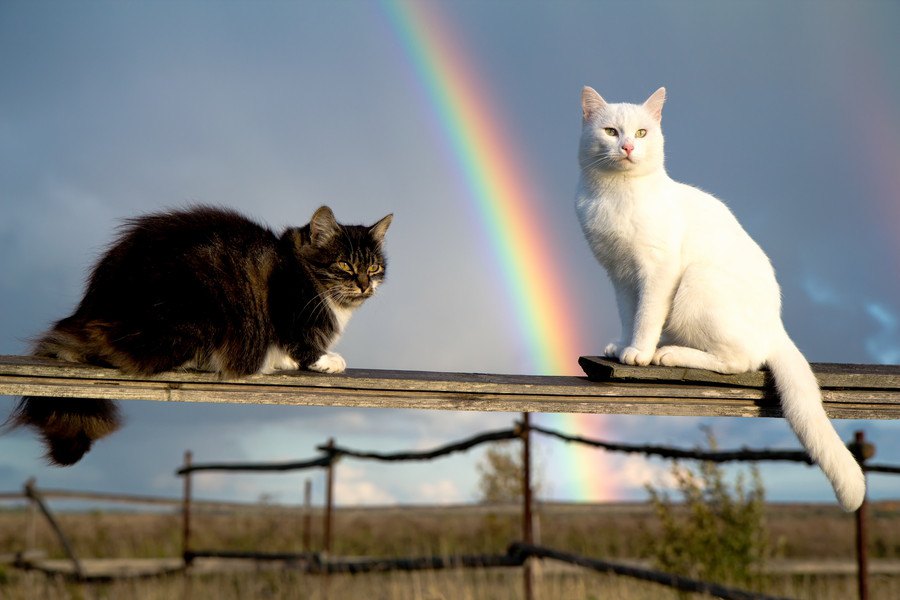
(428,390)
(105,569)
(829,375)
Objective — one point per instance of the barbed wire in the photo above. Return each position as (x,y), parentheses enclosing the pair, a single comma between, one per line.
(332,453)
(717,456)
(461,446)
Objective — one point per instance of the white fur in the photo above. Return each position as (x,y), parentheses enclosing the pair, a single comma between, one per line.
(330,362)
(692,288)
(211,363)
(277,359)
(341,316)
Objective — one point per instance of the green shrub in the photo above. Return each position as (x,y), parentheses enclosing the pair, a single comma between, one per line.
(717,533)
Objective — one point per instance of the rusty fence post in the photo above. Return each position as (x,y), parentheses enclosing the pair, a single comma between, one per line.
(863,452)
(329,497)
(307,515)
(527,523)
(186,512)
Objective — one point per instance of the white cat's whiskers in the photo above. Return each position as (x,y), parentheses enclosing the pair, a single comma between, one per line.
(599,160)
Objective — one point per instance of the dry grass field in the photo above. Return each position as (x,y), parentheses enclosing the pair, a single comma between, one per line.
(613,532)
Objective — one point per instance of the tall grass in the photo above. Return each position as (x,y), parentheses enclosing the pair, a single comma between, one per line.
(606,531)
(602,531)
(428,585)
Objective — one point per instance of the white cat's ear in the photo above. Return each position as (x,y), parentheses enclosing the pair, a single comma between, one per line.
(380,228)
(591,102)
(654,103)
(322,226)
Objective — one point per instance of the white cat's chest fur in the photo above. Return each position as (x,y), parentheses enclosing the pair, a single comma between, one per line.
(633,227)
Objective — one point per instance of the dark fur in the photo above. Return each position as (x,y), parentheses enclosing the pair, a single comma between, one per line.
(185,285)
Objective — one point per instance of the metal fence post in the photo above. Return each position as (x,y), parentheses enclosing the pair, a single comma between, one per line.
(307,516)
(186,512)
(329,496)
(527,530)
(863,452)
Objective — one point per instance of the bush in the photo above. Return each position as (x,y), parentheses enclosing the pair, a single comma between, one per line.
(718,533)
(501,474)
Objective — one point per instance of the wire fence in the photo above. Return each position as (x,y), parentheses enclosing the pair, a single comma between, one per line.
(518,552)
(331,453)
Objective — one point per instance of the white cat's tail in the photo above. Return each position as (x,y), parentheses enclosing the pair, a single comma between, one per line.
(801,402)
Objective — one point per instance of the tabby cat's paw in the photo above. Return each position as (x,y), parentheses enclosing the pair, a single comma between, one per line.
(277,359)
(286,364)
(635,356)
(330,362)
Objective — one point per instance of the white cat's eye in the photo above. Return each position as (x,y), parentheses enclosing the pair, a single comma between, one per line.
(612,131)
(375,269)
(640,133)
(344,266)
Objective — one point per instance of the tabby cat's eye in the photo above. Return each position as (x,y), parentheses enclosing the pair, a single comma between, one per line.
(611,131)
(640,133)
(375,269)
(344,266)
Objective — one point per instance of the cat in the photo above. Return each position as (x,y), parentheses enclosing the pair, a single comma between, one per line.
(208,289)
(692,288)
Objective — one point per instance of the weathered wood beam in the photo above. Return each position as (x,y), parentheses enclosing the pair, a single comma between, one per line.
(829,375)
(864,392)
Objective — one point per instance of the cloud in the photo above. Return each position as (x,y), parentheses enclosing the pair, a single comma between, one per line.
(353,488)
(884,344)
(444,491)
(820,291)
(881,345)
(638,472)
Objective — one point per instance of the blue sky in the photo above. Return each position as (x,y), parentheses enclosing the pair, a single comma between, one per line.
(788,112)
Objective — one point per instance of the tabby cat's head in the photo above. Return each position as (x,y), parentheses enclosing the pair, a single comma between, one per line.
(621,138)
(347,261)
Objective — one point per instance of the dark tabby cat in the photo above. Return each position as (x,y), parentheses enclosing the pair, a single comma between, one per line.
(206,288)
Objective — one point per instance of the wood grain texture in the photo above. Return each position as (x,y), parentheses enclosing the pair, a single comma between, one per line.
(829,375)
(866,392)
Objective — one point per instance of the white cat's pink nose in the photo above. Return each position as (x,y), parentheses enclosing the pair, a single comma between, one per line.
(628,147)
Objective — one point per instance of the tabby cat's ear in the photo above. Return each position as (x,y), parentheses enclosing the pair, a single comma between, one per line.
(323,226)
(378,230)
(655,102)
(591,102)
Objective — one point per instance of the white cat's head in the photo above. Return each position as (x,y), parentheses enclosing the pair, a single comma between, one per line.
(621,138)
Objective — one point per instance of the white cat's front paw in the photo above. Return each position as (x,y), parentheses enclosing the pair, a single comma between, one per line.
(330,362)
(635,356)
(611,350)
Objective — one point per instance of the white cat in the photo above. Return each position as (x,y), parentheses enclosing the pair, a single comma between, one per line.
(692,288)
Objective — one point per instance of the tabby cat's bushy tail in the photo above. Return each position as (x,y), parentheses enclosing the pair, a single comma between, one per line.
(68,426)
(801,403)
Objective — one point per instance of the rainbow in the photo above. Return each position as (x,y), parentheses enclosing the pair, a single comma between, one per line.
(498,185)
(502,193)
